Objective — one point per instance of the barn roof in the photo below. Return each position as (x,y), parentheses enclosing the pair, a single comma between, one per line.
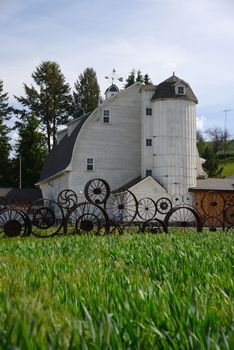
(166,89)
(213,184)
(112,88)
(21,194)
(60,156)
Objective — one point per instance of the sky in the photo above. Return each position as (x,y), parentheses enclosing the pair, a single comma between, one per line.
(194,39)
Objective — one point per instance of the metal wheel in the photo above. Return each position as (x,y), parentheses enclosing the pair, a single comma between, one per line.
(97,191)
(2,203)
(212,203)
(67,199)
(176,199)
(184,219)
(212,224)
(163,205)
(121,207)
(229,216)
(146,208)
(87,218)
(46,217)
(13,223)
(188,199)
(154,226)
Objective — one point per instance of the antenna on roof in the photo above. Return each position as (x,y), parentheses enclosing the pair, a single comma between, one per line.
(114,77)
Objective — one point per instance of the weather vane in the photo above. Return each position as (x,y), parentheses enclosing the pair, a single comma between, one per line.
(114,77)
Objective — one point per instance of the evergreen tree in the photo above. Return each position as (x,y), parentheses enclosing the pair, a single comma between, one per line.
(200,142)
(50,100)
(211,165)
(86,94)
(134,77)
(31,149)
(5,114)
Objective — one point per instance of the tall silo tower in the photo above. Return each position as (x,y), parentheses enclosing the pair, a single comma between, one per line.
(174,135)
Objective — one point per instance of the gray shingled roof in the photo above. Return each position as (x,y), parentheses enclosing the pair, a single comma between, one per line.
(213,184)
(22,194)
(166,89)
(60,156)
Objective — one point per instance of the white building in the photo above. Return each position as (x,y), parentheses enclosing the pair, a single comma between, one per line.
(142,138)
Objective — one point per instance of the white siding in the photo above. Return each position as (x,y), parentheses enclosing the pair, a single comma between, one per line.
(116,147)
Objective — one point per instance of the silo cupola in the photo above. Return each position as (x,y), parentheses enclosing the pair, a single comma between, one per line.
(111,91)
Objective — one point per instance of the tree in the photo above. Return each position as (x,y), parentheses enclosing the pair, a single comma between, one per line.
(136,76)
(217,137)
(211,165)
(86,94)
(31,149)
(200,142)
(50,100)
(5,114)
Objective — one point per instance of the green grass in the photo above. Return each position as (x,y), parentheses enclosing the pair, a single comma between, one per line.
(228,167)
(129,292)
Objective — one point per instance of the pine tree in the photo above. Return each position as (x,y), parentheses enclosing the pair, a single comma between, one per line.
(86,94)
(134,77)
(50,100)
(5,114)
(31,149)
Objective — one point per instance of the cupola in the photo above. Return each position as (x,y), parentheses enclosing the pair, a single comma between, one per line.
(111,91)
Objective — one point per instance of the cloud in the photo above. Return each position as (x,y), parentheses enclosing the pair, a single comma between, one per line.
(201,122)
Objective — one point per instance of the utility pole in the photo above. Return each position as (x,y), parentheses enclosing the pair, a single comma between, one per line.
(225,133)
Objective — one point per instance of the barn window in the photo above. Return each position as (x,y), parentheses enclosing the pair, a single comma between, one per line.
(148,111)
(180,90)
(148,142)
(148,172)
(106,116)
(90,164)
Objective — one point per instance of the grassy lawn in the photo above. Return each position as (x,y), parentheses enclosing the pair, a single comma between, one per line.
(129,292)
(228,168)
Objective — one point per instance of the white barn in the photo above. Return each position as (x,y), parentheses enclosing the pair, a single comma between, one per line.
(142,138)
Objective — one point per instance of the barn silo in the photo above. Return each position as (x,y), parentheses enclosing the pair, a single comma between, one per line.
(174,135)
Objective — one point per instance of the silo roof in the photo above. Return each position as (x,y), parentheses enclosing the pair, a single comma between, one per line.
(166,89)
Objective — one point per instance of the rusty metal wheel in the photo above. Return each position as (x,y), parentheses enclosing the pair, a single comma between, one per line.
(212,224)
(46,217)
(177,199)
(154,226)
(229,216)
(122,207)
(87,218)
(13,223)
(184,219)
(188,199)
(163,205)
(146,208)
(97,191)
(67,199)
(212,203)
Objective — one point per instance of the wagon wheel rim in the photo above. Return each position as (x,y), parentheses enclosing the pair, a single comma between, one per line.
(212,203)
(229,215)
(87,218)
(122,207)
(97,191)
(212,224)
(184,219)
(13,223)
(188,199)
(163,205)
(67,199)
(177,199)
(146,208)
(46,217)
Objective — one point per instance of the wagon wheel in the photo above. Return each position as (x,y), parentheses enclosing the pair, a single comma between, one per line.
(13,223)
(87,218)
(46,217)
(122,207)
(229,201)
(154,226)
(163,205)
(2,203)
(67,199)
(212,203)
(188,199)
(116,229)
(97,191)
(146,208)
(176,199)
(212,224)
(229,216)
(184,219)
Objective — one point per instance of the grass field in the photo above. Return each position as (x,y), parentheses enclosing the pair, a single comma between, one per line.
(228,167)
(129,292)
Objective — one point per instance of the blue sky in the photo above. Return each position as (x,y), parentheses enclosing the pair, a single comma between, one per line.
(193,38)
